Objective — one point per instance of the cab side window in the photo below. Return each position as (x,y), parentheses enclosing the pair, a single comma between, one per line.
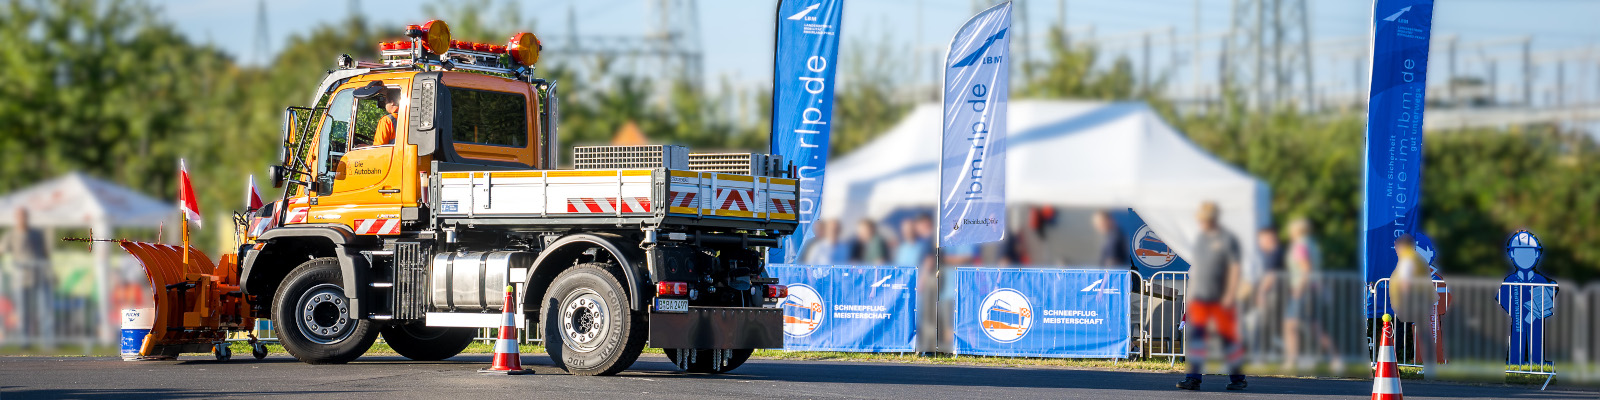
(374,126)
(487,117)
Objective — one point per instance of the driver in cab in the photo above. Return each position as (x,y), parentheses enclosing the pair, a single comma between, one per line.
(384,135)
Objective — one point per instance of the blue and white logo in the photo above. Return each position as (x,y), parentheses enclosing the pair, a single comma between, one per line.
(1007,316)
(979,54)
(803,311)
(802,15)
(1150,250)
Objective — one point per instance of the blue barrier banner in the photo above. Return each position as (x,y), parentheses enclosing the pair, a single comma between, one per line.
(972,164)
(848,308)
(802,104)
(1392,195)
(1042,312)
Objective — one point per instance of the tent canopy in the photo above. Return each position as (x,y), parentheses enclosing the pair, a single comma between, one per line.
(1068,153)
(76,200)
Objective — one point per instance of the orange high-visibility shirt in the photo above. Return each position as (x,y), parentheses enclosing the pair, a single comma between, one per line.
(385,133)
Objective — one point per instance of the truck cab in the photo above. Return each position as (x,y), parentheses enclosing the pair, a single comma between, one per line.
(414,234)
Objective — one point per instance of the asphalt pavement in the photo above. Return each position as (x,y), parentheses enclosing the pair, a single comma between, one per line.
(652,377)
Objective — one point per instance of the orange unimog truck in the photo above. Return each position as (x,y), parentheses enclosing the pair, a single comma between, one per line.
(415,238)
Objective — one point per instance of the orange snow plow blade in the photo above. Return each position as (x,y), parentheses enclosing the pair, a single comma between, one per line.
(196,304)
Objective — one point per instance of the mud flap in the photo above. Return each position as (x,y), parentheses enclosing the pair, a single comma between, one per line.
(196,304)
(718,328)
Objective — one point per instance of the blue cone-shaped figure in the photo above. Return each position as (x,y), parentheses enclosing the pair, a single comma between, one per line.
(1527,305)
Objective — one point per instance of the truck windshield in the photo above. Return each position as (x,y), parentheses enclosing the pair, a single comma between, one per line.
(334,137)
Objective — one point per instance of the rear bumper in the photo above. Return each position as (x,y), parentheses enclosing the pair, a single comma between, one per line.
(718,328)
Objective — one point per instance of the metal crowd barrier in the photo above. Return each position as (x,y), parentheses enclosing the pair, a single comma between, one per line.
(1531,343)
(1405,332)
(1161,302)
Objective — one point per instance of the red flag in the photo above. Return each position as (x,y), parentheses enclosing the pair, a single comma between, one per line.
(186,200)
(252,198)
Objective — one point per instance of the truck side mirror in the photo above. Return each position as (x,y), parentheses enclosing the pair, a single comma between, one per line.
(278,174)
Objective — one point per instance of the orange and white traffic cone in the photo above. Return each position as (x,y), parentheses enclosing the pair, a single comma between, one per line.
(1386,377)
(507,359)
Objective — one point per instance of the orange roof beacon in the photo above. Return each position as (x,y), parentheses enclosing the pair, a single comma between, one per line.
(415,238)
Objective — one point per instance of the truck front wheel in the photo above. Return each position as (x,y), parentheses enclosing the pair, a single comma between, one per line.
(708,361)
(425,343)
(588,327)
(314,319)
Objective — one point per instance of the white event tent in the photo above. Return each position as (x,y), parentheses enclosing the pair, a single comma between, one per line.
(1065,153)
(77,200)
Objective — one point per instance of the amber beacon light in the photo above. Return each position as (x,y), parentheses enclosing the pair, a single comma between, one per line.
(524,48)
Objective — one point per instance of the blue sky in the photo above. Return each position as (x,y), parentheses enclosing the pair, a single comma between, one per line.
(737,34)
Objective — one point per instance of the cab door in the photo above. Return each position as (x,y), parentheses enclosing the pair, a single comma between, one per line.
(359,185)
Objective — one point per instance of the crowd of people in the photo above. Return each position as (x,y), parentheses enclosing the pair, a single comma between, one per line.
(867,245)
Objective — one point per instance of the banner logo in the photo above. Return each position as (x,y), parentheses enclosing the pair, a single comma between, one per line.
(1150,249)
(802,14)
(802,311)
(1007,316)
(978,54)
(1391,18)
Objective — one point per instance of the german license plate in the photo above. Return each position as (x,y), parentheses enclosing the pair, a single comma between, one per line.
(672,305)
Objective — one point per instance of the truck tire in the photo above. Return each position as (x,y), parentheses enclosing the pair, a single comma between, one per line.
(705,361)
(588,327)
(426,343)
(313,316)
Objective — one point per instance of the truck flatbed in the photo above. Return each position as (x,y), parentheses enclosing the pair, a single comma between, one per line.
(545,199)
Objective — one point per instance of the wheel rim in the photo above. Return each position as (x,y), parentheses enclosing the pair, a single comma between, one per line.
(323,314)
(584,322)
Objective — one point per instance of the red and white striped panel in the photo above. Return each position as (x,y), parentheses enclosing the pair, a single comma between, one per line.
(683,199)
(783,206)
(607,204)
(735,199)
(383,226)
(298,214)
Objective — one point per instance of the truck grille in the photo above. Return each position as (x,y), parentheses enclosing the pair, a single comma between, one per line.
(736,163)
(627,157)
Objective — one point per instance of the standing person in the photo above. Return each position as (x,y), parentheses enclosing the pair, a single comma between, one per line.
(1113,246)
(820,249)
(870,247)
(1411,292)
(1441,299)
(1303,269)
(1265,299)
(1213,292)
(31,258)
(909,245)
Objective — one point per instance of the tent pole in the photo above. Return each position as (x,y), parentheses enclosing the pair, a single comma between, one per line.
(938,246)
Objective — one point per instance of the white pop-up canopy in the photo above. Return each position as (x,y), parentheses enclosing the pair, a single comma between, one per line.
(76,200)
(1069,153)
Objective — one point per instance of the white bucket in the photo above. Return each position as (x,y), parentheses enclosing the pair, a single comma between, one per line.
(136,324)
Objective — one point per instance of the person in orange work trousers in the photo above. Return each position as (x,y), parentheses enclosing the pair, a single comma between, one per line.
(1214,291)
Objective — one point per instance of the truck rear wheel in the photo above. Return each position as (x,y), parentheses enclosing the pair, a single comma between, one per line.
(588,327)
(706,361)
(314,319)
(426,343)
